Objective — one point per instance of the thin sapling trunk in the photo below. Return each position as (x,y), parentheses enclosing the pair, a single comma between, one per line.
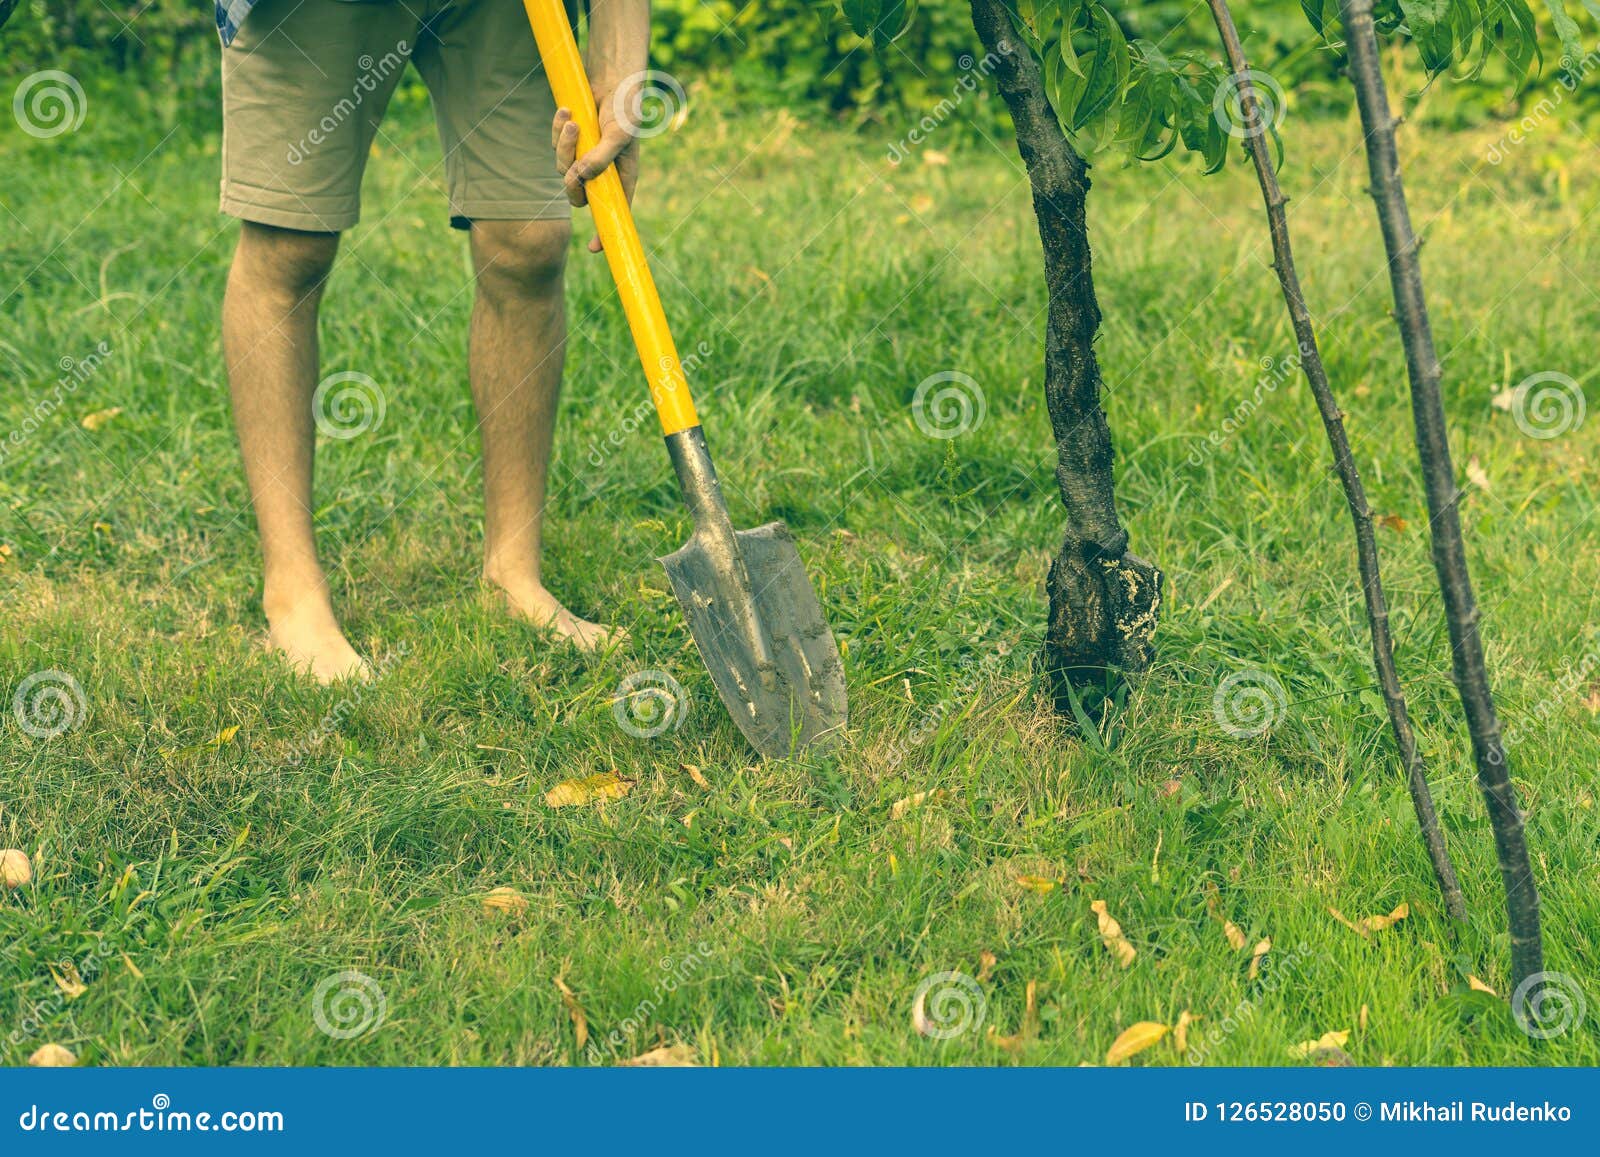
(1444,520)
(1104,602)
(1256,126)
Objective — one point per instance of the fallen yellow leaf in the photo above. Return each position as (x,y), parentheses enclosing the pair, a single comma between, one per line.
(1328,1040)
(986,963)
(1477,985)
(1234,933)
(1040,884)
(1030,1023)
(693,773)
(901,806)
(1180,1031)
(1379,923)
(666,1057)
(68,980)
(602,786)
(580,1022)
(1367,925)
(507,900)
(1135,1039)
(1111,935)
(99,418)
(1263,946)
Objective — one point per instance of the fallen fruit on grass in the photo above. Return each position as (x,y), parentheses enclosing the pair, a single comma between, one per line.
(15,868)
(52,1057)
(507,900)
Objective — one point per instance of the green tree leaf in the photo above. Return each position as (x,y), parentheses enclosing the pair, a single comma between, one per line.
(1566,30)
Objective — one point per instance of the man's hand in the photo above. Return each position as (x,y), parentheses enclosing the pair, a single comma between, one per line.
(617,145)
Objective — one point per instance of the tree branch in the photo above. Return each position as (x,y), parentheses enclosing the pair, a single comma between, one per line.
(1344,462)
(1444,520)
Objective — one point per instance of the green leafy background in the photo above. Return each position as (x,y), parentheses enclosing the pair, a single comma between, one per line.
(1137,75)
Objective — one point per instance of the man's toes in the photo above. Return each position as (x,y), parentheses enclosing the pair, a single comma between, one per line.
(325,655)
(589,636)
(334,669)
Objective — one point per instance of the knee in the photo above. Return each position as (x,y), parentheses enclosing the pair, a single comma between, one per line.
(519,258)
(286,261)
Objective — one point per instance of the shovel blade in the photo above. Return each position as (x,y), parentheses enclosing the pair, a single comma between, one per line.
(797,699)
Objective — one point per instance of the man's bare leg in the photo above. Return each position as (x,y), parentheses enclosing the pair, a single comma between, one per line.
(269,339)
(518,343)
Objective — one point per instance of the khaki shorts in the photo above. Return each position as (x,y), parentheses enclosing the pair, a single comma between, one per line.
(305,83)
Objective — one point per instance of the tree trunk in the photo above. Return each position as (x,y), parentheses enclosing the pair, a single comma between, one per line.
(1257,123)
(1444,520)
(1104,602)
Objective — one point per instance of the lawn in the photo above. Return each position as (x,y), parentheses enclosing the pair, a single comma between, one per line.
(216,841)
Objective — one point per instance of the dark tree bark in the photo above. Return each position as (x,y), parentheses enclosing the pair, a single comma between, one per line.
(1104,602)
(1257,121)
(1439,481)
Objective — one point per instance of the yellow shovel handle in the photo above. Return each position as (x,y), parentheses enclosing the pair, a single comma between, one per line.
(614,222)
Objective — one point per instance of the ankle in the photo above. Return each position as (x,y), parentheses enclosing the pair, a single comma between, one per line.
(295,596)
(511,572)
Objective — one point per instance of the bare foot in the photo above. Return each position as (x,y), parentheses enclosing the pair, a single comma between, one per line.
(306,633)
(529,600)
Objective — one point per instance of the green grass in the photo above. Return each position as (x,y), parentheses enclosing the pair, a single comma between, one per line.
(783,916)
